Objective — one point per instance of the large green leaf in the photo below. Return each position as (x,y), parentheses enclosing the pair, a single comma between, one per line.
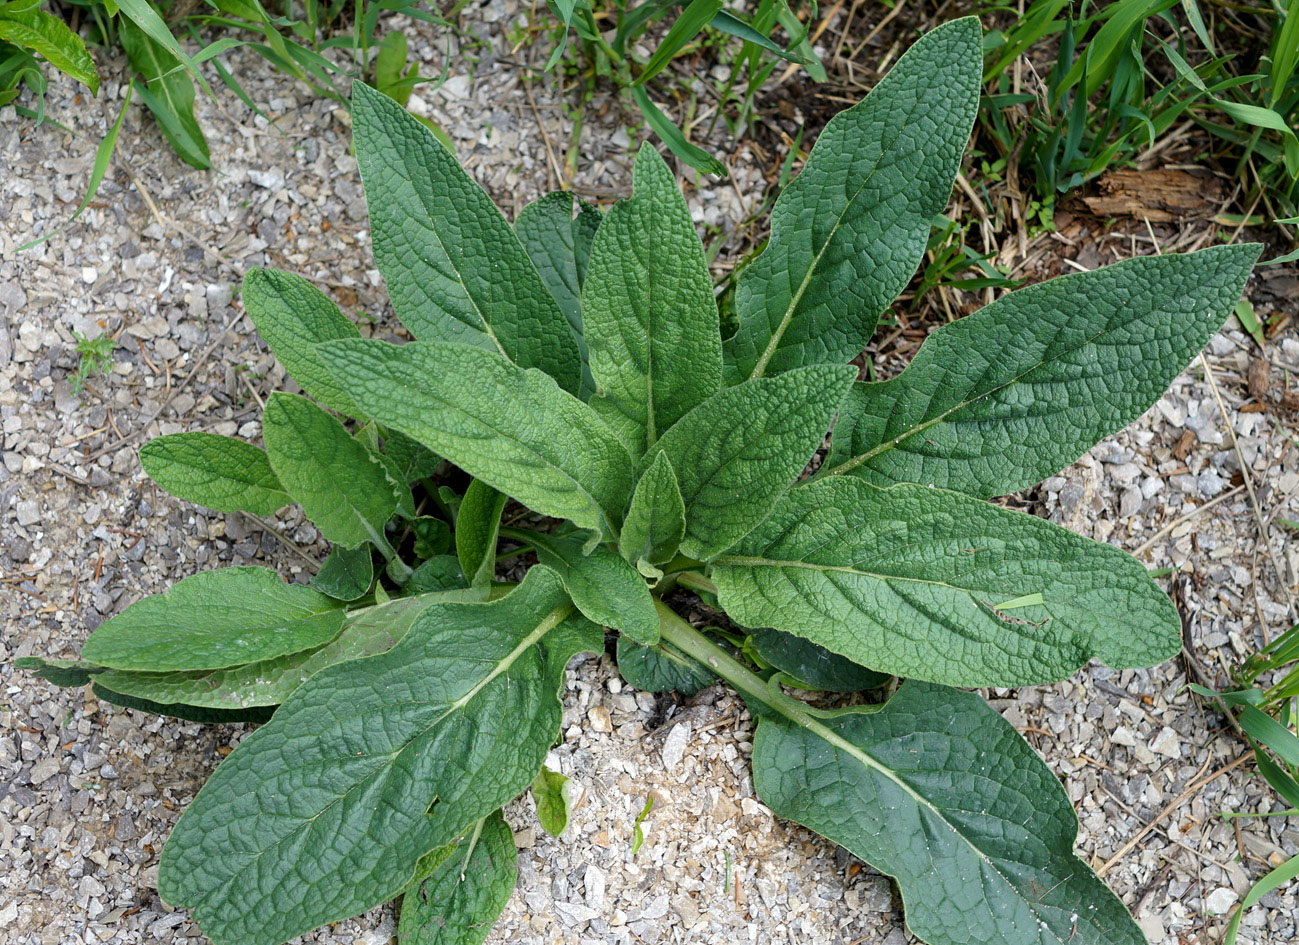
(940,586)
(454,268)
(737,452)
(648,310)
(215,619)
(559,245)
(46,34)
(997,401)
(293,316)
(478,526)
(939,791)
(847,234)
(656,518)
(217,472)
(326,810)
(514,429)
(458,903)
(604,587)
(339,483)
(367,631)
(168,92)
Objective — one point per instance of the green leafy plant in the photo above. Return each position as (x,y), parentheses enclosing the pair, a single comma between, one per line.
(694,22)
(28,32)
(1263,701)
(574,366)
(1127,72)
(94,356)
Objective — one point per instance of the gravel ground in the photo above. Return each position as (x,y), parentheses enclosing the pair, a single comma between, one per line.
(88,793)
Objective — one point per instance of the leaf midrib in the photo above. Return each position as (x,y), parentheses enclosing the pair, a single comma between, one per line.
(547,623)
(871,763)
(773,345)
(858,460)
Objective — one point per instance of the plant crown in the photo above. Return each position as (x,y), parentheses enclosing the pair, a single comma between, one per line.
(573,364)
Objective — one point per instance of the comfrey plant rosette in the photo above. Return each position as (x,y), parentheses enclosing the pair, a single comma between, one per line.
(573,363)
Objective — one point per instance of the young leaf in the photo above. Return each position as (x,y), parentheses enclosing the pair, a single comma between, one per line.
(477,527)
(339,483)
(215,619)
(735,454)
(847,234)
(458,903)
(413,461)
(293,316)
(1000,400)
(559,245)
(550,792)
(908,580)
(46,34)
(168,92)
(441,573)
(648,310)
(432,536)
(346,574)
(939,791)
(656,518)
(661,668)
(605,588)
(374,763)
(217,472)
(813,666)
(367,631)
(454,268)
(514,429)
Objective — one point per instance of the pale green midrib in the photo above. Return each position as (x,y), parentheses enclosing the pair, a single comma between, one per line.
(858,460)
(548,623)
(696,645)
(485,327)
(760,368)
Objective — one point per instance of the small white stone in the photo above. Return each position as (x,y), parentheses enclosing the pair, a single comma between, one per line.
(1167,743)
(89,274)
(674,746)
(1220,901)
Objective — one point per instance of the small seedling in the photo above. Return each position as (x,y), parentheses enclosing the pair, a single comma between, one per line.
(571,367)
(95,356)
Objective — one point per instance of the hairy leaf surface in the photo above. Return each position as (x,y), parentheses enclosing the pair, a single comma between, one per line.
(915,582)
(374,763)
(736,453)
(648,310)
(847,234)
(217,472)
(366,632)
(605,588)
(656,519)
(340,484)
(559,245)
(454,268)
(1000,400)
(514,429)
(939,791)
(215,619)
(458,902)
(294,316)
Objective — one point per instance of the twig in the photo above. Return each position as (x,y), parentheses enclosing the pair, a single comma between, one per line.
(1172,806)
(1186,518)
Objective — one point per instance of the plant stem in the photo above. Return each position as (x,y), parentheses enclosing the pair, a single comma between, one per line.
(696,582)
